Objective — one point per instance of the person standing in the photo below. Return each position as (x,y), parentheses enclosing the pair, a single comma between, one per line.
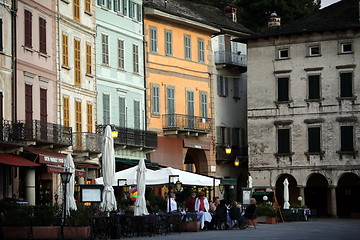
(171,204)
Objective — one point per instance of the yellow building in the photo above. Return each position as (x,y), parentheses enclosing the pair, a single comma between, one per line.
(179,78)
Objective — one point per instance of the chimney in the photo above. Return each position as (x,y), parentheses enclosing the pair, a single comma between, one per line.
(274,20)
(230,12)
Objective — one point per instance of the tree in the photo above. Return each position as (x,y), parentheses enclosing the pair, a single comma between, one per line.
(254,14)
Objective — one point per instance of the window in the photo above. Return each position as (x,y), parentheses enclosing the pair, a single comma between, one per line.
(136,114)
(155,92)
(347,138)
(124,4)
(314,86)
(283,53)
(88,58)
(65,50)
(168,43)
(108,5)
(43,105)
(66,110)
(121,54)
(28,28)
(346,47)
(190,109)
(105,49)
(28,103)
(116,6)
(138,11)
(170,107)
(78,116)
(204,105)
(89,113)
(77,10)
(346,79)
(106,109)
(222,86)
(314,137)
(283,89)
(122,112)
(42,35)
(100,2)
(1,35)
(236,89)
(135,58)
(223,136)
(283,141)
(134,11)
(314,50)
(88,6)
(153,40)
(201,48)
(187,44)
(77,62)
(235,137)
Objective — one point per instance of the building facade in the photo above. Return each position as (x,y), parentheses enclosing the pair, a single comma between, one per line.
(303,110)
(120,79)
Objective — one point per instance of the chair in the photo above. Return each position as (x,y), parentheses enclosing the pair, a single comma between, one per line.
(234,214)
(173,221)
(220,217)
(312,215)
(287,215)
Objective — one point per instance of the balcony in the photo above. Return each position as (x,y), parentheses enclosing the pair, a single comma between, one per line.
(231,60)
(7,140)
(132,138)
(42,133)
(178,124)
(86,142)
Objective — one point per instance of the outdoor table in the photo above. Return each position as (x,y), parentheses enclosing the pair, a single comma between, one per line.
(305,212)
(203,217)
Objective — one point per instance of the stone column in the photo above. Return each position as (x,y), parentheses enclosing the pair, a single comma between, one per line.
(333,201)
(302,194)
(30,186)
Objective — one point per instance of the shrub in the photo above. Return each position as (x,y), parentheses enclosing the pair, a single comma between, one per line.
(265,209)
(80,217)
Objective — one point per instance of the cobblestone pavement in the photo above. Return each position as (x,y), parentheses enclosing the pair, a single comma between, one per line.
(327,229)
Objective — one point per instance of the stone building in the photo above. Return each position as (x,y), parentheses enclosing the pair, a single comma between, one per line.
(303,82)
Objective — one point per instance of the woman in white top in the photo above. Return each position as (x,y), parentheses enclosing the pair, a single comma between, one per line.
(171,203)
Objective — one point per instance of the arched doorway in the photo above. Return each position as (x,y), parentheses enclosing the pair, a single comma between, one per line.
(196,161)
(316,194)
(348,195)
(293,190)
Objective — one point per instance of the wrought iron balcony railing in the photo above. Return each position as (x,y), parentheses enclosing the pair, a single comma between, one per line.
(42,132)
(186,122)
(6,134)
(225,57)
(86,142)
(132,137)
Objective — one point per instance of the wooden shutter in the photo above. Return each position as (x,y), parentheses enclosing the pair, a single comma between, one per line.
(218,135)
(283,89)
(136,114)
(78,116)
(226,86)
(122,112)
(66,110)
(28,103)
(125,7)
(236,89)
(77,62)
(77,10)
(106,109)
(28,28)
(65,50)
(131,9)
(347,138)
(43,105)
(138,15)
(89,117)
(1,107)
(314,139)
(314,87)
(219,85)
(346,84)
(235,137)
(203,102)
(88,6)
(121,53)
(42,35)
(88,59)
(1,35)
(283,141)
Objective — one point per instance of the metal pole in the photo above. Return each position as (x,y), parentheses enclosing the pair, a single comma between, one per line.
(64,213)
(169,195)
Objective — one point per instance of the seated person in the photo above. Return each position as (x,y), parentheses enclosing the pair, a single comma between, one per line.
(234,214)
(249,212)
(220,216)
(202,209)
(171,205)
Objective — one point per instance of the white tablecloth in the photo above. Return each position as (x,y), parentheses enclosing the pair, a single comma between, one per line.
(203,217)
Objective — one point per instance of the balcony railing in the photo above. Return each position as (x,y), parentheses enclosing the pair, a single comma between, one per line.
(86,142)
(132,137)
(42,132)
(186,123)
(6,134)
(231,58)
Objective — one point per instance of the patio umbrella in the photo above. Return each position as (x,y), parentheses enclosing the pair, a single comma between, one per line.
(286,194)
(70,200)
(140,204)
(108,170)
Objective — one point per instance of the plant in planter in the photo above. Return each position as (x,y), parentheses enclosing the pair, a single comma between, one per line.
(78,223)
(268,211)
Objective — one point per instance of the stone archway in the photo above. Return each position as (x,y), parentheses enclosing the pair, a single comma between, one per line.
(293,190)
(348,195)
(198,158)
(316,194)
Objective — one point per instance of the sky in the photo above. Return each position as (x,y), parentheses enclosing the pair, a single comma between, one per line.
(325,3)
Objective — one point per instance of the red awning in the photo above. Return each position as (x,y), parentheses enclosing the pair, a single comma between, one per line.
(49,157)
(58,169)
(15,160)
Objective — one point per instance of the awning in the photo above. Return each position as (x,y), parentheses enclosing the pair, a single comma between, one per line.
(58,169)
(228,181)
(133,162)
(49,157)
(15,160)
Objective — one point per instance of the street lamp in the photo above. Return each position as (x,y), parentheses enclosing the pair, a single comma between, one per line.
(300,200)
(114,134)
(221,187)
(265,198)
(122,183)
(236,162)
(178,185)
(228,150)
(65,179)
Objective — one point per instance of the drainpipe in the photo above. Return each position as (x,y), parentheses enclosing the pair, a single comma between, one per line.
(13,60)
(144,62)
(59,61)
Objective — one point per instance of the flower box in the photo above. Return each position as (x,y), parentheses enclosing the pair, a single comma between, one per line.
(46,232)
(16,232)
(271,220)
(77,232)
(193,226)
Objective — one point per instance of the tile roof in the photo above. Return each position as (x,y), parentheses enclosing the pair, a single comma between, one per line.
(338,16)
(205,14)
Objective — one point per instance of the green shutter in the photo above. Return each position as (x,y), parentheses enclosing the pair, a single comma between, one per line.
(122,112)
(125,7)
(136,114)
(130,9)
(138,16)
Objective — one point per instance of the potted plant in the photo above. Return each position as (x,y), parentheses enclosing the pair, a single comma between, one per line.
(45,221)
(78,223)
(16,221)
(268,211)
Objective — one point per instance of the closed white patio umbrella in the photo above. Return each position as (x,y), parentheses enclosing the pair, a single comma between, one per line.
(286,194)
(70,200)
(108,170)
(140,204)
